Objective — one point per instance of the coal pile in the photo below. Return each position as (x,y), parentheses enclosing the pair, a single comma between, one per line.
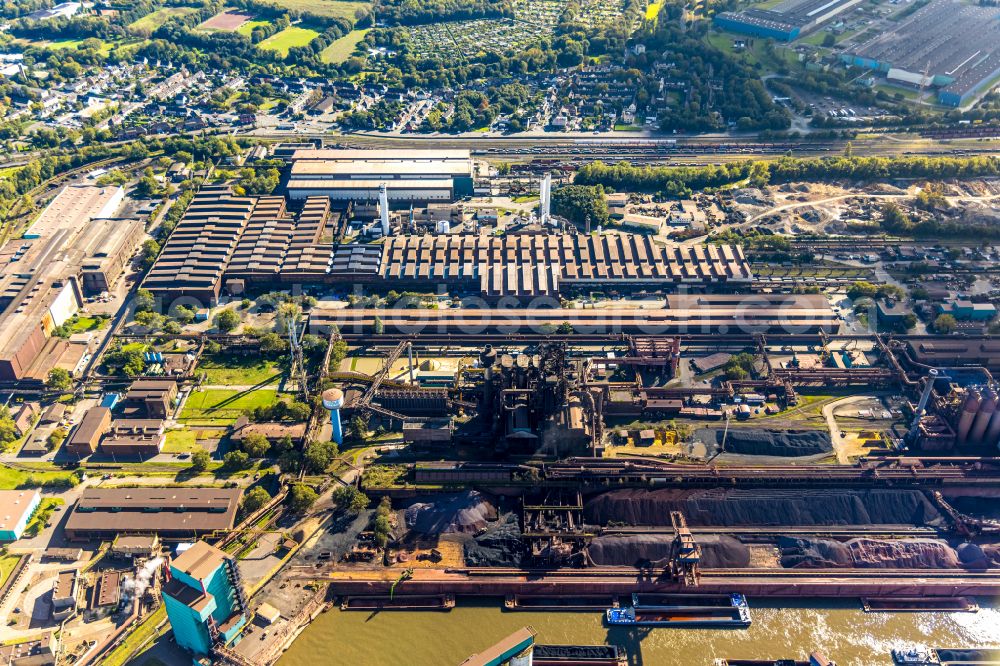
(460,513)
(724,507)
(755,442)
(815,553)
(499,546)
(653,550)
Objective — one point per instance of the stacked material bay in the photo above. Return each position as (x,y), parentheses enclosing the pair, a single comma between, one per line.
(732,507)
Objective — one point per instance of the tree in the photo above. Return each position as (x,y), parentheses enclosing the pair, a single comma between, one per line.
(359,429)
(565,328)
(578,203)
(301,497)
(739,366)
(150,251)
(351,499)
(909,321)
(184,315)
(150,320)
(256,445)
(226,321)
(383,522)
(945,324)
(378,328)
(255,499)
(862,288)
(8,429)
(290,461)
(319,456)
(234,461)
(144,301)
(59,380)
(200,460)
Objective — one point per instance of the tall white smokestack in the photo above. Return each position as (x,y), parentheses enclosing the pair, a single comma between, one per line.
(383,205)
(545,199)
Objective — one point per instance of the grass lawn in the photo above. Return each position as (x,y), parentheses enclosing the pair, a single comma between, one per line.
(248,27)
(288,38)
(342,49)
(221,406)
(138,637)
(334,8)
(84,324)
(152,21)
(7,564)
(237,370)
(42,515)
(181,441)
(74,44)
(11,479)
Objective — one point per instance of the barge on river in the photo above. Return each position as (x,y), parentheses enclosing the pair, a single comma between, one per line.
(682,611)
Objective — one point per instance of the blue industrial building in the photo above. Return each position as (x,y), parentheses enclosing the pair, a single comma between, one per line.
(204,598)
(785,22)
(948,45)
(16,509)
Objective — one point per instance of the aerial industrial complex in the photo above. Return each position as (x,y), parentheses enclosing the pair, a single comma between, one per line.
(374,389)
(950,45)
(500,333)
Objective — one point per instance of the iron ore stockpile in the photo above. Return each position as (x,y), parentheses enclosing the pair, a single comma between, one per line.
(751,441)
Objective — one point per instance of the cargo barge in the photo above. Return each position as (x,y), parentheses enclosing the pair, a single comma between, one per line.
(578,655)
(530,602)
(815,659)
(946,657)
(442,602)
(682,611)
(919,604)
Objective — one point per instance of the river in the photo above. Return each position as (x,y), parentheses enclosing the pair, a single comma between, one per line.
(846,634)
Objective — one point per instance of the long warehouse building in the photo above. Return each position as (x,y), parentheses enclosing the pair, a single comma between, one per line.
(947,44)
(785,22)
(232,244)
(171,513)
(684,314)
(410,176)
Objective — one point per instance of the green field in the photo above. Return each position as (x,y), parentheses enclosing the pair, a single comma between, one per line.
(181,441)
(223,406)
(248,27)
(11,479)
(7,564)
(151,22)
(335,8)
(63,44)
(288,38)
(234,370)
(343,48)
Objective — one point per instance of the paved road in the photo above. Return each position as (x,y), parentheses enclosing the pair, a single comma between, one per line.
(831,422)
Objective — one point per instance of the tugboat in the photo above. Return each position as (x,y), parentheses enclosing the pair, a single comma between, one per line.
(914,657)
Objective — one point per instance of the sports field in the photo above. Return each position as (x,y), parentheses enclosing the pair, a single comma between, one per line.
(151,22)
(248,27)
(288,38)
(335,8)
(342,49)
